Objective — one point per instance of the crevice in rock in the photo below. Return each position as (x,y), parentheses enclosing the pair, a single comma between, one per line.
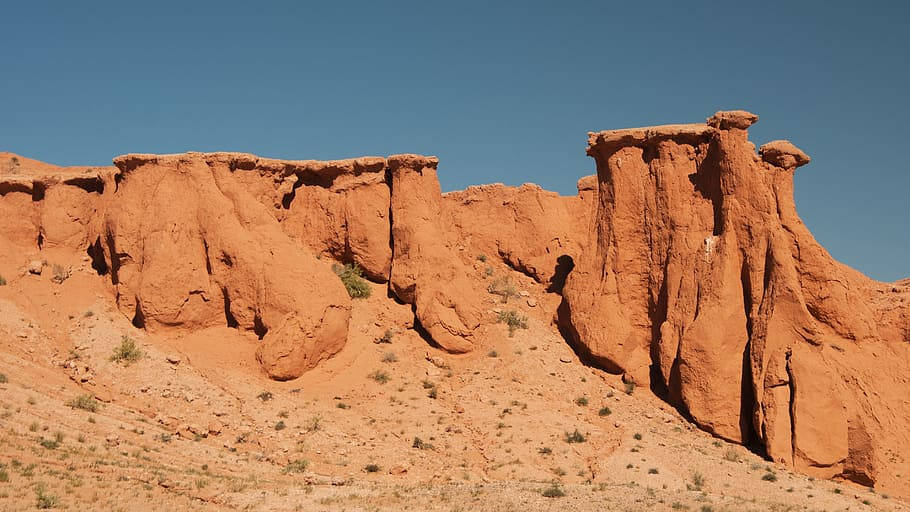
(96,252)
(571,337)
(422,332)
(38,191)
(792,406)
(259,328)
(289,197)
(228,315)
(138,316)
(40,239)
(208,261)
(91,185)
(564,266)
(115,258)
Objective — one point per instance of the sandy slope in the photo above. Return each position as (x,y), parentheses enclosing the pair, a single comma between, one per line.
(195,425)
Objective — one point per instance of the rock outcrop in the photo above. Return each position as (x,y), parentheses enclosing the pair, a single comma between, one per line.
(532,230)
(187,245)
(702,281)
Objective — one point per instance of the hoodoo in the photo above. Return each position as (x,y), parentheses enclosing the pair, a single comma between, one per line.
(702,281)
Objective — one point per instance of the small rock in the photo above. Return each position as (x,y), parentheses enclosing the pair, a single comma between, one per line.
(173,359)
(524,293)
(459,409)
(565,359)
(532,302)
(35,267)
(398,470)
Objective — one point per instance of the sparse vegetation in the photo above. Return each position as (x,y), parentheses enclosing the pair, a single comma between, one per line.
(44,499)
(84,402)
(127,352)
(420,444)
(60,274)
(546,450)
(604,411)
(698,481)
(575,437)
(482,258)
(554,491)
(514,320)
(389,357)
(386,337)
(265,396)
(636,436)
(653,471)
(581,401)
(3,378)
(731,455)
(313,424)
(769,477)
(371,468)
(352,278)
(296,466)
(492,353)
(503,287)
(380,376)
(629,387)
(280,425)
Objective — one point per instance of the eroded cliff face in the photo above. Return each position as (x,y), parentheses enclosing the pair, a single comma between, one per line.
(196,240)
(702,281)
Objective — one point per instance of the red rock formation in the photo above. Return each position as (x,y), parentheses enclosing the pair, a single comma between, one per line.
(426,270)
(703,281)
(189,246)
(535,231)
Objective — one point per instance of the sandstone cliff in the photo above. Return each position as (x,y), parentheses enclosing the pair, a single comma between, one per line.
(702,281)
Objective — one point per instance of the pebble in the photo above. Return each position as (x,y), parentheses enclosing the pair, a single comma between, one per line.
(173,359)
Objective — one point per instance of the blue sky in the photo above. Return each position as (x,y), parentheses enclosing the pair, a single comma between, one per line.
(500,93)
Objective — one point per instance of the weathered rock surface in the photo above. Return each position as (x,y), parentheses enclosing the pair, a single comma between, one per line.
(532,230)
(188,246)
(426,270)
(702,281)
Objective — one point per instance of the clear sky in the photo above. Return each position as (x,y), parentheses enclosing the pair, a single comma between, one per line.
(503,92)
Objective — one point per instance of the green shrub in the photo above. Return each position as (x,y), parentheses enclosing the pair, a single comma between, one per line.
(604,411)
(85,402)
(265,396)
(380,376)
(629,387)
(420,444)
(636,436)
(371,468)
(503,287)
(652,471)
(554,491)
(386,337)
(575,437)
(698,481)
(127,352)
(280,425)
(389,357)
(513,320)
(769,477)
(297,466)
(581,401)
(45,500)
(352,278)
(482,257)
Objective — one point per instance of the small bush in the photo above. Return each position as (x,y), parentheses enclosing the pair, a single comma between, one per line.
(652,471)
(513,320)
(3,378)
(604,411)
(389,357)
(4,476)
(420,444)
(546,450)
(60,274)
(432,393)
(380,376)
(352,278)
(297,466)
(280,425)
(769,477)
(482,257)
(581,401)
(575,437)
(371,468)
(698,481)
(386,337)
(636,436)
(313,424)
(85,402)
(127,352)
(731,455)
(265,396)
(554,491)
(504,288)
(428,384)
(45,500)
(629,387)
